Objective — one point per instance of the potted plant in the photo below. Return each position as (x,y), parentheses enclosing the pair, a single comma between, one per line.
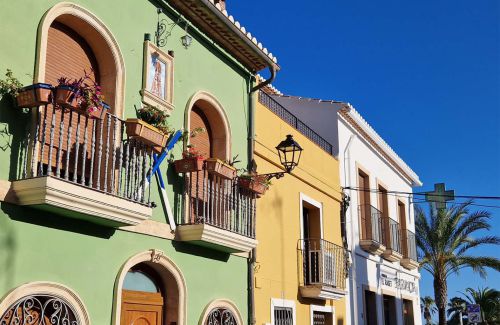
(83,95)
(254,183)
(220,168)
(192,160)
(150,127)
(30,96)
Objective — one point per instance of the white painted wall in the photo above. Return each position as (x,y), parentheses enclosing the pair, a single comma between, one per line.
(367,267)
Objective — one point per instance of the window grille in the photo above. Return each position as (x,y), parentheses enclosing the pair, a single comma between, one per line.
(40,310)
(221,316)
(283,316)
(320,318)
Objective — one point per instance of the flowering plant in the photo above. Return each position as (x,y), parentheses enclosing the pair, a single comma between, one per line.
(10,85)
(156,117)
(88,93)
(191,152)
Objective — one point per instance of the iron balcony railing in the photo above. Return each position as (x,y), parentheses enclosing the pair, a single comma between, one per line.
(291,119)
(322,263)
(393,235)
(410,246)
(372,227)
(213,200)
(93,153)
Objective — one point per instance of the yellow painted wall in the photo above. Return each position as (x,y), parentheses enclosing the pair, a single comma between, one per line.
(278,224)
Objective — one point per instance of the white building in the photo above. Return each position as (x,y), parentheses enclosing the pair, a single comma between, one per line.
(383,282)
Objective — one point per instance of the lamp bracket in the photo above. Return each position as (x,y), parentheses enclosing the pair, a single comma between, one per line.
(164,28)
(277,175)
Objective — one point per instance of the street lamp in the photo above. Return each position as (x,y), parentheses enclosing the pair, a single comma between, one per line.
(289,152)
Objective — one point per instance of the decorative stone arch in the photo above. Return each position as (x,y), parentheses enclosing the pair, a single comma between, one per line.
(100,39)
(169,273)
(221,303)
(216,115)
(47,288)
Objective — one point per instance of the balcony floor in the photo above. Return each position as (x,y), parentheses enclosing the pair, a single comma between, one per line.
(323,292)
(75,201)
(372,246)
(216,238)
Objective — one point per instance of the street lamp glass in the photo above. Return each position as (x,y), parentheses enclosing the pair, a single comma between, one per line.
(289,152)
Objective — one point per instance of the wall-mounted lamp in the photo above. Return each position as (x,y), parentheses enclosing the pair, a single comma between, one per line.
(186,40)
(289,152)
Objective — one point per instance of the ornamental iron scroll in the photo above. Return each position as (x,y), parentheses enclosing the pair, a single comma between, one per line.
(40,310)
(221,316)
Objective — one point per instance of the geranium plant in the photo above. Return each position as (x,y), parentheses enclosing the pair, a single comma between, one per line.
(155,117)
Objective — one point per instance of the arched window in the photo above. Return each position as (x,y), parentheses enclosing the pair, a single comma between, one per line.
(43,303)
(221,316)
(221,311)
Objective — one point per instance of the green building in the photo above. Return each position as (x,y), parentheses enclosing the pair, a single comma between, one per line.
(83,238)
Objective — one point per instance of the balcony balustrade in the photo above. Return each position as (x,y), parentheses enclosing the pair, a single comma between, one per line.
(84,168)
(371,230)
(410,260)
(323,269)
(217,213)
(392,240)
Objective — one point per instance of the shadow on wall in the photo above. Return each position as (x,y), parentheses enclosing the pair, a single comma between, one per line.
(7,252)
(14,123)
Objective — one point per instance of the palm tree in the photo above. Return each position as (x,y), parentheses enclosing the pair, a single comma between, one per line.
(428,308)
(489,300)
(444,241)
(456,310)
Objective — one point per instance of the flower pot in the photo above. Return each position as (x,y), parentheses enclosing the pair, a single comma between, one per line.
(146,133)
(254,184)
(218,167)
(98,113)
(189,165)
(66,97)
(34,95)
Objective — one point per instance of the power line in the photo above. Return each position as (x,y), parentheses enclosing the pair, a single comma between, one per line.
(478,197)
(474,204)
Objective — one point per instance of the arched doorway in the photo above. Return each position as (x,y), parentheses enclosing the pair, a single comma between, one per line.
(142,297)
(150,289)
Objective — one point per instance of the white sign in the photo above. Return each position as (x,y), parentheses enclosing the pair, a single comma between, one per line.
(398,283)
(474,313)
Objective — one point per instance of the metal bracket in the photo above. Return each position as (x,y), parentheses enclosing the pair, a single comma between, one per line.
(162,34)
(277,175)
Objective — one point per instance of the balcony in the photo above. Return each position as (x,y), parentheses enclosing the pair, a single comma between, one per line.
(372,230)
(217,213)
(409,260)
(392,240)
(84,168)
(323,269)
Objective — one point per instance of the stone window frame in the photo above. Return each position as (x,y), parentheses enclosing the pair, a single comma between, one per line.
(221,303)
(47,288)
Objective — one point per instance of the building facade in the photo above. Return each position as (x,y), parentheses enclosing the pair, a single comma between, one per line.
(300,269)
(87,233)
(384,277)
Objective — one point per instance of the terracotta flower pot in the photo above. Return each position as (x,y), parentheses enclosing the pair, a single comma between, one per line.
(254,184)
(98,114)
(189,165)
(66,97)
(218,167)
(146,133)
(34,95)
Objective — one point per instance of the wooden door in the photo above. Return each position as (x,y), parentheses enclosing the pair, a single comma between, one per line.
(141,308)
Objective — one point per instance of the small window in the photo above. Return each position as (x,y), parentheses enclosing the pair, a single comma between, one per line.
(322,318)
(221,316)
(283,316)
(139,280)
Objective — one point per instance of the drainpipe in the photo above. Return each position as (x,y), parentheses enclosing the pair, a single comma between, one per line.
(251,137)
(347,182)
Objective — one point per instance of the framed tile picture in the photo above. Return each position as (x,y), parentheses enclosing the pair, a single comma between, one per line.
(157,78)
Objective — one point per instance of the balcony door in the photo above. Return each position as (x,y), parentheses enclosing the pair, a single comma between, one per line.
(315,260)
(364,205)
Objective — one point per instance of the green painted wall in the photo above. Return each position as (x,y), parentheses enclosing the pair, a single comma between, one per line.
(38,246)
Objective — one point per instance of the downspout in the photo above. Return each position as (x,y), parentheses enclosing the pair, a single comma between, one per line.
(347,183)
(250,145)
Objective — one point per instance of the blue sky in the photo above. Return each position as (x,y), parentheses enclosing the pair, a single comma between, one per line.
(425,74)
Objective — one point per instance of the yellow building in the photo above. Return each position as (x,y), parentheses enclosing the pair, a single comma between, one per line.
(299,275)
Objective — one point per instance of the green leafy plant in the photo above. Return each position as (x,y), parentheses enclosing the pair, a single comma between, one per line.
(263,179)
(154,116)
(10,85)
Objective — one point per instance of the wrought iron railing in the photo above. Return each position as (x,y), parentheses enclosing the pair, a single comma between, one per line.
(372,227)
(393,235)
(291,119)
(219,202)
(410,246)
(89,152)
(322,263)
